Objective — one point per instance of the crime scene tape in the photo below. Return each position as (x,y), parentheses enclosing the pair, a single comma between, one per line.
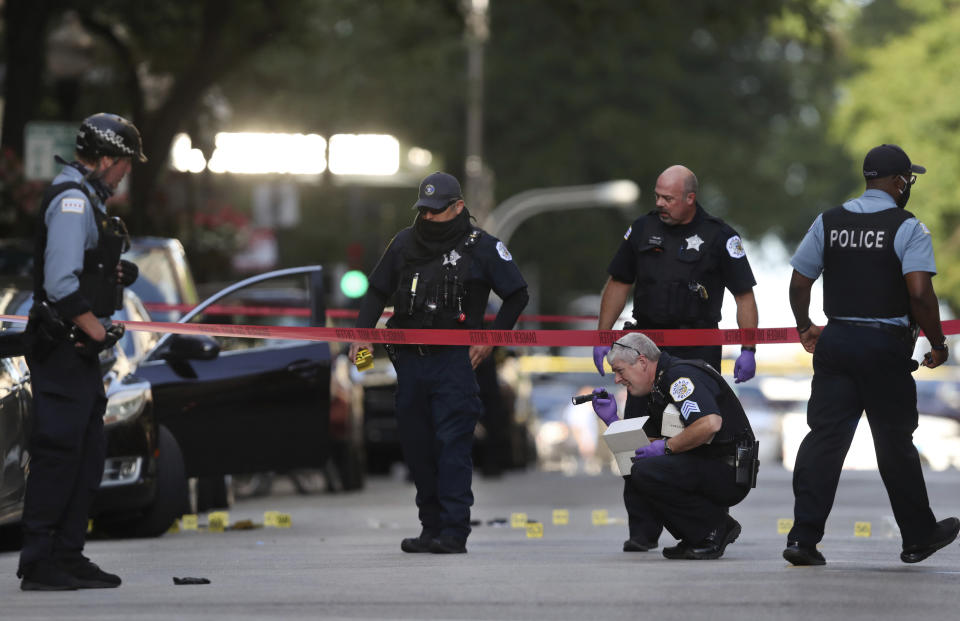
(541,338)
(332,313)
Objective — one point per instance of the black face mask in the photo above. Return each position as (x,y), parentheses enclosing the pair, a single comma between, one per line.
(904,196)
(435,238)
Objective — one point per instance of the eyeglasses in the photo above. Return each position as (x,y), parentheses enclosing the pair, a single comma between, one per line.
(909,180)
(616,344)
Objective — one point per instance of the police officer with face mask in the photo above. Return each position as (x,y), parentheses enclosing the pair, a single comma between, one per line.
(877,264)
(679,259)
(439,273)
(78,282)
(698,464)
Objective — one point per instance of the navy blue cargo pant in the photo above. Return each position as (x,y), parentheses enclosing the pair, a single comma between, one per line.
(437,410)
(67,449)
(688,494)
(857,369)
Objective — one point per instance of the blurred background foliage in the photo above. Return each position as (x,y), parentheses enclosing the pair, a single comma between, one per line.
(773,104)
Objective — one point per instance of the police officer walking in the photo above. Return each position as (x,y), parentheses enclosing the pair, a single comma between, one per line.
(679,259)
(78,281)
(439,273)
(686,482)
(877,264)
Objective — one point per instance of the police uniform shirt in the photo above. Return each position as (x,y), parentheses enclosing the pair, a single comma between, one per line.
(912,244)
(690,389)
(727,265)
(71,230)
(491,267)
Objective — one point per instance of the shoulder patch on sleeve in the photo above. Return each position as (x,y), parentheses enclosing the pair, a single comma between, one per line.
(689,406)
(681,388)
(735,247)
(503,252)
(923,227)
(72,205)
(627,234)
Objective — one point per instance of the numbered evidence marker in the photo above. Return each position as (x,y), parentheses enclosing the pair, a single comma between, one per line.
(599,517)
(174,527)
(784,526)
(861,529)
(284,520)
(534,530)
(561,517)
(189,521)
(218,521)
(270,518)
(518,520)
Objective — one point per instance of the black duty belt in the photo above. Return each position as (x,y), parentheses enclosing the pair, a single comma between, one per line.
(902,332)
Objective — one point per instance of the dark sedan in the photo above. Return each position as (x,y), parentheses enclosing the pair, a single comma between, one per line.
(184,406)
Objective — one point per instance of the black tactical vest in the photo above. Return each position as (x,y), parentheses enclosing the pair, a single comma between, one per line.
(98,280)
(862,275)
(432,294)
(735,426)
(677,286)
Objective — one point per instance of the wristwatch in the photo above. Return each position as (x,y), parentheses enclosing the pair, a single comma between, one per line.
(666,447)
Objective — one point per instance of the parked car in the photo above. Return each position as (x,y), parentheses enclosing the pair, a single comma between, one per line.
(166,282)
(184,406)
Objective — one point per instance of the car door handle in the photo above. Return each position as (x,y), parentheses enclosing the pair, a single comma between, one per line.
(307,369)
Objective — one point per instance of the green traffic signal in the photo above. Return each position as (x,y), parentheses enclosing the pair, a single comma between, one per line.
(354,284)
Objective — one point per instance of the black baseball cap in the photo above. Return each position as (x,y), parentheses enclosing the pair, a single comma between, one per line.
(887,160)
(437,190)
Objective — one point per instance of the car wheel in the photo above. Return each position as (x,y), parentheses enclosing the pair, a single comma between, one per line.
(213,492)
(170,502)
(346,470)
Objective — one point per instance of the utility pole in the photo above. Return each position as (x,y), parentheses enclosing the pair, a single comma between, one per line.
(478,190)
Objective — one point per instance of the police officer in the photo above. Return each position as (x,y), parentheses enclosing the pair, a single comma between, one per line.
(679,259)
(78,280)
(439,273)
(877,264)
(686,482)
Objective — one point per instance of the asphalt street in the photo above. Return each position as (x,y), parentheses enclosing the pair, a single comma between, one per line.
(341,559)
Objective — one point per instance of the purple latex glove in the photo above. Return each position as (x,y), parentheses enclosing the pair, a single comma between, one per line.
(599,353)
(745,367)
(653,449)
(606,409)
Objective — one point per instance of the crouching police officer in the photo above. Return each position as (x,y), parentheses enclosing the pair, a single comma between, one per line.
(440,272)
(686,482)
(78,282)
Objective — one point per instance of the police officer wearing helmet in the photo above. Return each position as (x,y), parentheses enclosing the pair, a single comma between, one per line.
(877,264)
(698,464)
(78,281)
(678,259)
(439,273)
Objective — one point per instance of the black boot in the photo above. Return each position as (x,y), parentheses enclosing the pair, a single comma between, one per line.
(88,574)
(46,575)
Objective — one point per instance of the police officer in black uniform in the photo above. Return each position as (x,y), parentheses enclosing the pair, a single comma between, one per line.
(679,259)
(78,281)
(877,264)
(439,273)
(686,482)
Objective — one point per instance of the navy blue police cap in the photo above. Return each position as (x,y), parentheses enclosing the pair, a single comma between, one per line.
(886,160)
(437,190)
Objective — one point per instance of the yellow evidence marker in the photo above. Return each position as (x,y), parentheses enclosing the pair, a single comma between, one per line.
(599,517)
(861,529)
(218,521)
(189,521)
(784,525)
(518,520)
(561,517)
(534,530)
(364,360)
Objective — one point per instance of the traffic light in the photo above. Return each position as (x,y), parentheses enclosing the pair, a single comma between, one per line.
(353,284)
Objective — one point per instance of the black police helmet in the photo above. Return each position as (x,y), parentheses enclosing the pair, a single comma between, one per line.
(110,135)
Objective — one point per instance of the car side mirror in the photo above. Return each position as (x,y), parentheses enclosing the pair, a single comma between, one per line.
(191,347)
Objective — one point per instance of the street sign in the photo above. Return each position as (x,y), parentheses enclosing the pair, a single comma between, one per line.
(43,140)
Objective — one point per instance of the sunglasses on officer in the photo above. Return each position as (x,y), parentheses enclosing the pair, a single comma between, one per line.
(424,209)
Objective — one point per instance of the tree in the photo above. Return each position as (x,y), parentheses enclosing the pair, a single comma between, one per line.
(904,90)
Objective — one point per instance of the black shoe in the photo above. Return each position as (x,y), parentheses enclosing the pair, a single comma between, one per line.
(416,545)
(799,554)
(445,544)
(943,534)
(676,552)
(46,575)
(638,545)
(716,542)
(88,574)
